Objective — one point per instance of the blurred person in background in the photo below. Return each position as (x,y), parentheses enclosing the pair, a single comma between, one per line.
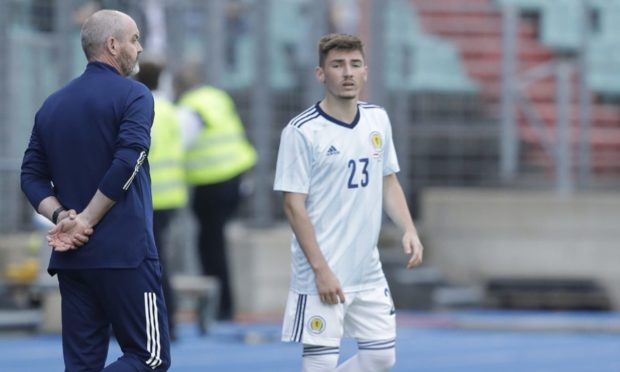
(218,154)
(87,152)
(166,159)
(336,168)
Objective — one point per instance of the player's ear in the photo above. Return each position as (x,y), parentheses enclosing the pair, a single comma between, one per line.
(111,45)
(320,74)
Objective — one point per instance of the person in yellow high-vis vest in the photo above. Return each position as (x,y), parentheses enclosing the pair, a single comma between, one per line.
(216,159)
(168,184)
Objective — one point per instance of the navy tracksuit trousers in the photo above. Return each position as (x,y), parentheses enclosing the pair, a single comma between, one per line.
(130,301)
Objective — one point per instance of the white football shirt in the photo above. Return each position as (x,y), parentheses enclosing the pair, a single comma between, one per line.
(340,167)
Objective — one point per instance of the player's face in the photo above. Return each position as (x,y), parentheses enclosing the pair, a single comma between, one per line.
(130,49)
(344,73)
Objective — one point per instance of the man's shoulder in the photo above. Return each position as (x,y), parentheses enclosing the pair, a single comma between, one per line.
(139,88)
(110,82)
(125,89)
(66,93)
(308,116)
(81,90)
(369,106)
(374,112)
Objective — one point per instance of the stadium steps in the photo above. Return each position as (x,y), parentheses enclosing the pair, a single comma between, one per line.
(417,61)
(547,294)
(452,141)
(475,29)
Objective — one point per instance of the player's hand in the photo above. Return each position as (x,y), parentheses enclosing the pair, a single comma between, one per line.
(413,247)
(329,287)
(70,233)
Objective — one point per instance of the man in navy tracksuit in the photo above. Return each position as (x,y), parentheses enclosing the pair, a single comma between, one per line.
(87,153)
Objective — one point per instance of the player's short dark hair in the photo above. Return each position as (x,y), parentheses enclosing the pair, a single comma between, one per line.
(149,74)
(338,42)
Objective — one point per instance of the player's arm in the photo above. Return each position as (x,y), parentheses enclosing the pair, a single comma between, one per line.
(51,209)
(398,211)
(132,145)
(35,177)
(327,283)
(36,183)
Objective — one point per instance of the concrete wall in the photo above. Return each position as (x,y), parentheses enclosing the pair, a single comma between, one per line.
(260,264)
(472,235)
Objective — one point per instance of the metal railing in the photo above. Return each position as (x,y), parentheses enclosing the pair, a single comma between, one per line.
(565,65)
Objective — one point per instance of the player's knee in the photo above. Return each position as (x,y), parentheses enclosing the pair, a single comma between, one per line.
(319,363)
(377,360)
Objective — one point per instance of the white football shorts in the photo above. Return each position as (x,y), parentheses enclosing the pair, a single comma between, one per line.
(366,315)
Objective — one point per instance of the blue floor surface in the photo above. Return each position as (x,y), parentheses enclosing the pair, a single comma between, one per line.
(426,342)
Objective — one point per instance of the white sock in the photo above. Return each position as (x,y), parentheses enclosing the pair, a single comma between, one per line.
(373,356)
(320,358)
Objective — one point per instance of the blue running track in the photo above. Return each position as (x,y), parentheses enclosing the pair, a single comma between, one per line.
(455,342)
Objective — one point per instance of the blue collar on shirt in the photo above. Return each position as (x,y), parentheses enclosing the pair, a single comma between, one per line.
(339,122)
(92,66)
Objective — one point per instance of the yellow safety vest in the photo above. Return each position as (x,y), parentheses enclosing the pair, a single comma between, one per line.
(166,158)
(221,151)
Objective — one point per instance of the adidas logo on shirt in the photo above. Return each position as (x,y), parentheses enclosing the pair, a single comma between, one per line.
(332,151)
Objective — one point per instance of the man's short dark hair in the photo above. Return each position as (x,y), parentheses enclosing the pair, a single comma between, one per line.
(338,42)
